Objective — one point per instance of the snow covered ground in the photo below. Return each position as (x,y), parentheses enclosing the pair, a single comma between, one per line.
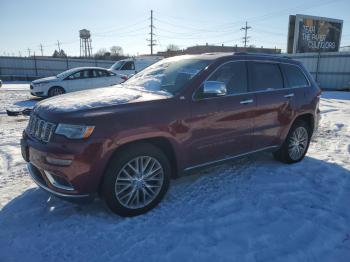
(253,209)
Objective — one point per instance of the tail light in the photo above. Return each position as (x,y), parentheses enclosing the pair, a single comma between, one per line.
(124,78)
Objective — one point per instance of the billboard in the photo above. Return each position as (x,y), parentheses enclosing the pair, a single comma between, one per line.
(313,34)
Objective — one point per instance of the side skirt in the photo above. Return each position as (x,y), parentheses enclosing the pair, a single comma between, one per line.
(220,161)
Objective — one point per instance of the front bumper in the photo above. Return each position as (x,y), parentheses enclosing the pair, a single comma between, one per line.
(77,176)
(317,120)
(40,91)
(39,94)
(39,179)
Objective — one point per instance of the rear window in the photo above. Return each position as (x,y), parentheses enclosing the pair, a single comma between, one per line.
(265,76)
(100,73)
(294,76)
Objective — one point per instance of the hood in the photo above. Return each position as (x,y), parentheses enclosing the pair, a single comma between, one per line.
(45,80)
(97,98)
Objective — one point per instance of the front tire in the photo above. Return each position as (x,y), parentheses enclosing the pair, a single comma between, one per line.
(136,180)
(296,144)
(55,91)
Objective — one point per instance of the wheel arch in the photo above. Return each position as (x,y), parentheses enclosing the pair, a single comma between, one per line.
(163,143)
(308,118)
(55,86)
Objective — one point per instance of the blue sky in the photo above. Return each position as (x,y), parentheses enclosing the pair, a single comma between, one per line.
(26,24)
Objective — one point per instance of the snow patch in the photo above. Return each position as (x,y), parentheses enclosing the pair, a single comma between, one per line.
(252,209)
(99,97)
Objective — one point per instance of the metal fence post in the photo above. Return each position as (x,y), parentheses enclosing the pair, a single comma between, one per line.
(318,65)
(36,69)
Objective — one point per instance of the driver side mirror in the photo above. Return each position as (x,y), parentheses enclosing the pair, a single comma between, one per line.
(214,88)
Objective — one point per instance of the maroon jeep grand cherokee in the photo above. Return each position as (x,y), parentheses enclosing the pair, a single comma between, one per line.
(126,142)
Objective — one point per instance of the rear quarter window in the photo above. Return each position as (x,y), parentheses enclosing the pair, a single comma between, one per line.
(294,76)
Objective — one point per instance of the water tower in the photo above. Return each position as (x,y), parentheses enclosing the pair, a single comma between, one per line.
(85,43)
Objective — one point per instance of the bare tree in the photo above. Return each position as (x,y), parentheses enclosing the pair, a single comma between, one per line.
(116,50)
(172,47)
(60,53)
(101,52)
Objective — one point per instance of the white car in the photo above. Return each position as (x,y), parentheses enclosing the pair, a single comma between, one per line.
(75,79)
(134,65)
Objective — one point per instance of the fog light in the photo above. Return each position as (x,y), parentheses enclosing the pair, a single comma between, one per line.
(58,182)
(58,162)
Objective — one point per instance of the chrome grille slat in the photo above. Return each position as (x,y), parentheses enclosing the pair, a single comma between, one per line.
(40,129)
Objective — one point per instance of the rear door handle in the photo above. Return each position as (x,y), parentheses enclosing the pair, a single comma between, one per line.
(248,101)
(289,95)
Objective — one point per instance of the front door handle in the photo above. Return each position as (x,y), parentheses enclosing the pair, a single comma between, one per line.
(248,101)
(289,95)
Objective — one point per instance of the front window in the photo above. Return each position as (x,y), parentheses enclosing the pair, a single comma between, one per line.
(66,73)
(80,75)
(128,66)
(169,75)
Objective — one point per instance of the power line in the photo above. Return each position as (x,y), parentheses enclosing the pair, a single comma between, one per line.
(123,34)
(245,38)
(121,28)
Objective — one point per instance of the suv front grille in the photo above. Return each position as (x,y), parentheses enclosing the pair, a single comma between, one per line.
(40,129)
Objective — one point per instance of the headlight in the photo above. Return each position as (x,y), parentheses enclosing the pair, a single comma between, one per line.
(74,131)
(41,83)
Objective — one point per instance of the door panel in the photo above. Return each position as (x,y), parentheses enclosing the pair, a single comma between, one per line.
(78,81)
(222,126)
(100,78)
(274,114)
(274,103)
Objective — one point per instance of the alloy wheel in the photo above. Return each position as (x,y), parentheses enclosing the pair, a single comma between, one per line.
(139,182)
(298,143)
(56,92)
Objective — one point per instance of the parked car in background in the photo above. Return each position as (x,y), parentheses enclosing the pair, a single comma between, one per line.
(75,79)
(134,65)
(126,142)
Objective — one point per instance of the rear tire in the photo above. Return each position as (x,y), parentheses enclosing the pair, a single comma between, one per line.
(296,144)
(136,180)
(55,91)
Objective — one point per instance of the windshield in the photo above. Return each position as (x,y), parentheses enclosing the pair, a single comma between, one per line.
(66,73)
(117,65)
(169,75)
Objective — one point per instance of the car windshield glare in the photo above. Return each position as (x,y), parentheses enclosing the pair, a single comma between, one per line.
(169,75)
(117,65)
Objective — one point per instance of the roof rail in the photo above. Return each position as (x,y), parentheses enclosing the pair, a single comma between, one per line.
(261,54)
